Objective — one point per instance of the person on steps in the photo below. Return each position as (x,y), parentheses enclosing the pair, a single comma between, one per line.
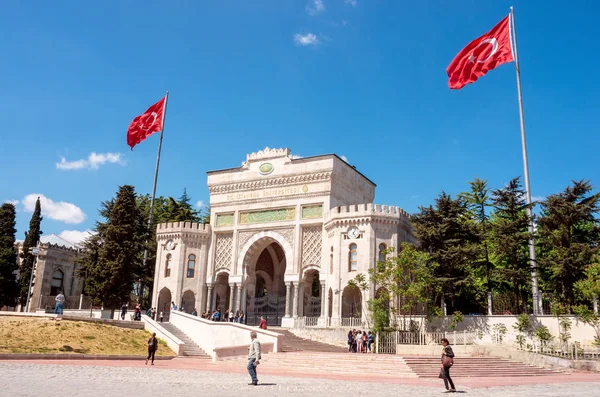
(447,362)
(152,348)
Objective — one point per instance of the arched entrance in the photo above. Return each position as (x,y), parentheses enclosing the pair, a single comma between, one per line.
(222,293)
(312,294)
(351,302)
(188,301)
(164,303)
(265,265)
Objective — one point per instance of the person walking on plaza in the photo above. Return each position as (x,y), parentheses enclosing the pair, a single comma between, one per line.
(123,311)
(59,303)
(447,362)
(152,348)
(263,323)
(253,357)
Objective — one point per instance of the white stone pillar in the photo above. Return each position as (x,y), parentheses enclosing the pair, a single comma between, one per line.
(288,295)
(323,300)
(295,300)
(595,303)
(490,307)
(231,293)
(238,301)
(209,297)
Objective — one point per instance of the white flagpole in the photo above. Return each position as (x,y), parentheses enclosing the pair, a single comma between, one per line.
(537,304)
(151,215)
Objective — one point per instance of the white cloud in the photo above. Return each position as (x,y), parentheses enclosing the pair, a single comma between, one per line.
(344,158)
(315,7)
(305,40)
(13,202)
(76,236)
(56,210)
(538,198)
(352,3)
(93,162)
(200,204)
(296,156)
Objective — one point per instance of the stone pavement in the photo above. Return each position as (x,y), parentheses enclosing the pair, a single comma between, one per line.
(171,378)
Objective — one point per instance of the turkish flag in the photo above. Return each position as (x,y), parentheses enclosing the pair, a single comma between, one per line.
(481,55)
(146,124)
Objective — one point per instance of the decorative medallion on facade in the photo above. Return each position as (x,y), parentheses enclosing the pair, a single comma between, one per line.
(223,251)
(224,220)
(312,212)
(312,238)
(265,168)
(278,215)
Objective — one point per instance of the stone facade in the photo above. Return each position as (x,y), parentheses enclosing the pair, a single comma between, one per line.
(286,236)
(55,270)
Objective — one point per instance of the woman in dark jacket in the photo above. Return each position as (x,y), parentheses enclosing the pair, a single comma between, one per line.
(152,348)
(447,362)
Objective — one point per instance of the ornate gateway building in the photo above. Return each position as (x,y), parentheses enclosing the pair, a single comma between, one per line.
(286,236)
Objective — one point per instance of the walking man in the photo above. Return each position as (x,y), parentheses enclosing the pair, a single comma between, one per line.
(60,301)
(253,357)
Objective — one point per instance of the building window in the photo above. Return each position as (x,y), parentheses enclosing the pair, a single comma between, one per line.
(331,261)
(352,258)
(168,266)
(57,282)
(191,266)
(382,256)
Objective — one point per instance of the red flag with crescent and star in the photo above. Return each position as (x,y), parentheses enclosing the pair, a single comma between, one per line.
(481,55)
(146,124)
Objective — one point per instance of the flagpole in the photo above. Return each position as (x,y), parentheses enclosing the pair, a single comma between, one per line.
(151,216)
(537,307)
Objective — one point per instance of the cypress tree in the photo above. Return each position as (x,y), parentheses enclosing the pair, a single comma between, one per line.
(9,288)
(114,258)
(32,237)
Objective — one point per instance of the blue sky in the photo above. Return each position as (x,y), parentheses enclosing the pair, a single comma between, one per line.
(363,79)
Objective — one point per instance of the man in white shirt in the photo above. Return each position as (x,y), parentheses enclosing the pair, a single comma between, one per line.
(60,301)
(253,357)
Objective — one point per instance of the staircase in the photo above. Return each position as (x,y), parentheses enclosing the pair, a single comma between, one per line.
(469,367)
(348,365)
(293,343)
(190,349)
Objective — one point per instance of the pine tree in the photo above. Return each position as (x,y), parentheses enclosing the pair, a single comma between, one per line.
(478,202)
(32,237)
(111,268)
(9,288)
(447,233)
(510,236)
(569,237)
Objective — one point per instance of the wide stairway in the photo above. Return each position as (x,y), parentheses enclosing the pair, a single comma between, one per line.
(293,343)
(465,367)
(190,349)
(350,365)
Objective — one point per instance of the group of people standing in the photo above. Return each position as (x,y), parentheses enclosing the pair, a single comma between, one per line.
(228,316)
(360,341)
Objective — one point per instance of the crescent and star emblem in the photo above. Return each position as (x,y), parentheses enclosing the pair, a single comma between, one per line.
(155,116)
(491,41)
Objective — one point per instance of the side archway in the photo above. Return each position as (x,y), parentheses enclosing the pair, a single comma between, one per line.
(351,302)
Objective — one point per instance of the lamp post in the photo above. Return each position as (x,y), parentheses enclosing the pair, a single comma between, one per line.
(35,251)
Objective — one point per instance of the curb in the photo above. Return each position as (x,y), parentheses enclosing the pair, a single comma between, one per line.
(23,356)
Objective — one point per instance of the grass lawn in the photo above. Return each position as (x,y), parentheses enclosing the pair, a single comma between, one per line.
(45,335)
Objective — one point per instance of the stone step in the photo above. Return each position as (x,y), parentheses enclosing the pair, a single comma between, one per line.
(190,349)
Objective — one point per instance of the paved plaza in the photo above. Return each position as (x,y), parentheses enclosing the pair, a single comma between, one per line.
(18,379)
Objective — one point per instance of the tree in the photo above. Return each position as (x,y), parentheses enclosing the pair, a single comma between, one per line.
(32,237)
(510,236)
(111,267)
(589,286)
(447,233)
(569,237)
(9,288)
(478,202)
(406,280)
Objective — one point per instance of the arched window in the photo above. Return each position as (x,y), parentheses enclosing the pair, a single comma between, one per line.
(331,261)
(57,282)
(382,256)
(168,266)
(352,258)
(191,268)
